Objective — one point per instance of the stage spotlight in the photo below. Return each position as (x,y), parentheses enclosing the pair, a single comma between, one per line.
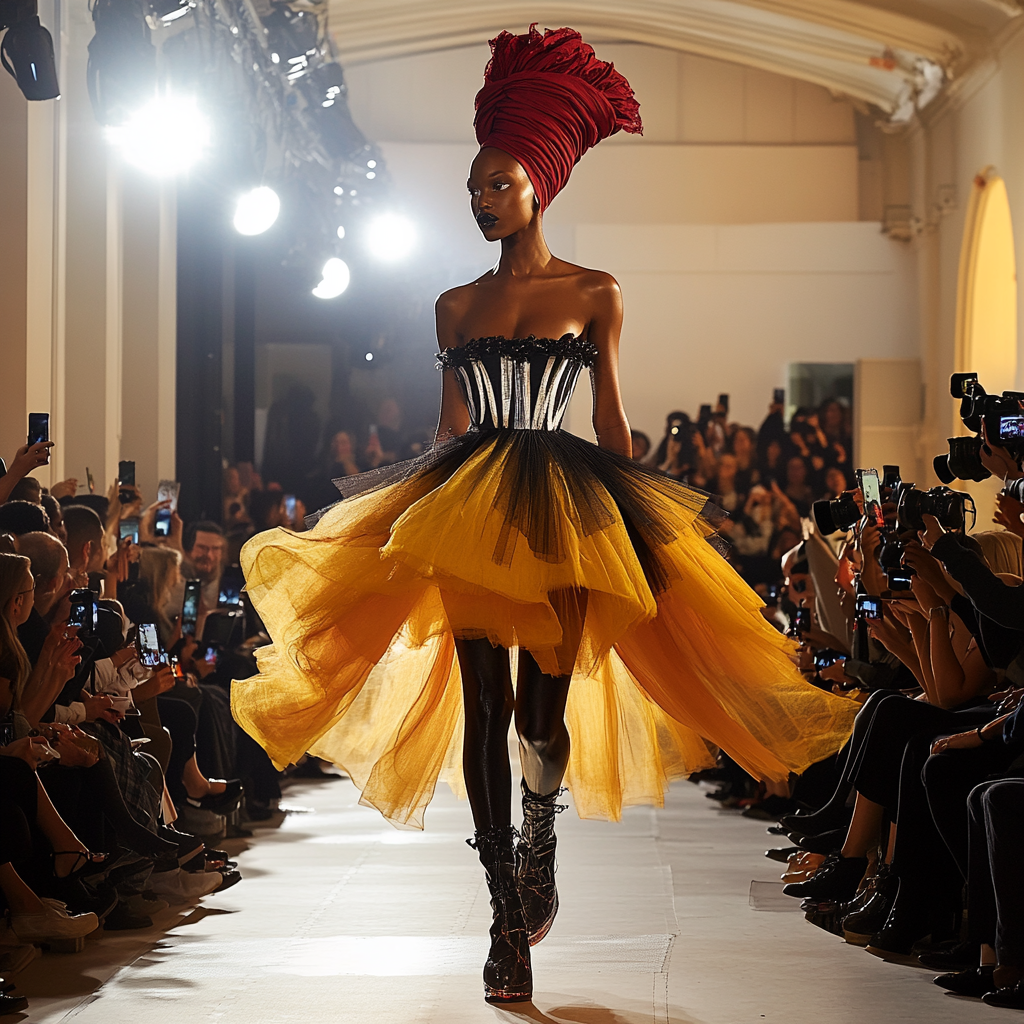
(391,237)
(256,211)
(166,136)
(369,357)
(27,50)
(341,230)
(335,279)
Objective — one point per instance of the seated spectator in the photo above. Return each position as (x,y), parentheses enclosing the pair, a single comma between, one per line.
(147,601)
(26,459)
(205,548)
(641,445)
(18,517)
(676,424)
(743,445)
(797,487)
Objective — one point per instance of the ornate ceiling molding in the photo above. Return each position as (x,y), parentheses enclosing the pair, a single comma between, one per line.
(872,55)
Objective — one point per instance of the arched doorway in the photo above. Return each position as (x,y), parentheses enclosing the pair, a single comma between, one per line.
(986,305)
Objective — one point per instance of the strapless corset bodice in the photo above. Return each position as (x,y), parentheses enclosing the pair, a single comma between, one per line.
(518,383)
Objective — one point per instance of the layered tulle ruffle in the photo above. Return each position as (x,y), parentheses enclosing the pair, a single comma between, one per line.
(536,540)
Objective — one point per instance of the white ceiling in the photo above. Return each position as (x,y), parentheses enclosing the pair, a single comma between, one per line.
(894,54)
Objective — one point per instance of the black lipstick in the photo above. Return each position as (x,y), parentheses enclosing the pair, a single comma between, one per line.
(486,220)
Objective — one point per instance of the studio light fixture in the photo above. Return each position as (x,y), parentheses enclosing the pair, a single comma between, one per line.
(27,50)
(335,278)
(164,137)
(391,237)
(257,210)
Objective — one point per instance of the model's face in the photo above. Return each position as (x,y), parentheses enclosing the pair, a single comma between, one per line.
(501,194)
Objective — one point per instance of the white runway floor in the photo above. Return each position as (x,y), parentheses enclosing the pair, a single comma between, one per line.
(341,918)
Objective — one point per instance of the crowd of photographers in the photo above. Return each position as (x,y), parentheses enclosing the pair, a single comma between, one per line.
(765,479)
(910,842)
(121,768)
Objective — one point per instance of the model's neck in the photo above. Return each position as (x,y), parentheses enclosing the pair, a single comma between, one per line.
(524,253)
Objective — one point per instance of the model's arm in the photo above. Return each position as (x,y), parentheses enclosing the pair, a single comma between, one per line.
(454,418)
(610,424)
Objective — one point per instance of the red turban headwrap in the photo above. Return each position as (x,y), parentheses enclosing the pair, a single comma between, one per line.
(546,100)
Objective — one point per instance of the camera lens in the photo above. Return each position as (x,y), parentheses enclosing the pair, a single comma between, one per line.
(941,466)
(965,459)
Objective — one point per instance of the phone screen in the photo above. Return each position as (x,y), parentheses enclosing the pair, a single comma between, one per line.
(231,584)
(38,427)
(190,607)
(83,610)
(148,644)
(825,657)
(872,497)
(162,523)
(126,472)
(869,607)
(289,507)
(167,490)
(802,619)
(130,528)
(779,396)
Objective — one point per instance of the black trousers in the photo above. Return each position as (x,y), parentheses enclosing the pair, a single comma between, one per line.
(19,795)
(948,780)
(877,768)
(996,878)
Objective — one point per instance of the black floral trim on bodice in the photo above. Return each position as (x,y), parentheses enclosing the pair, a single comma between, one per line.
(520,349)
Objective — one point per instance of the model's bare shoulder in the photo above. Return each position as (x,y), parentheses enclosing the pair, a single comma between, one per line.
(449,310)
(595,282)
(454,301)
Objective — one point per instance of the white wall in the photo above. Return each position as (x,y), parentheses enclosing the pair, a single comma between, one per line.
(683,99)
(724,308)
(731,225)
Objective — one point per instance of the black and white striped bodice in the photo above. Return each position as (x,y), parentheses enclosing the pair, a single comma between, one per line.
(518,383)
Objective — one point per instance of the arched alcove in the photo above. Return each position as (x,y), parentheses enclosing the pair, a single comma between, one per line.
(986,307)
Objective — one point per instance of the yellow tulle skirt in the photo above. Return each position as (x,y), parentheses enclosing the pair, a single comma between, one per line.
(539,541)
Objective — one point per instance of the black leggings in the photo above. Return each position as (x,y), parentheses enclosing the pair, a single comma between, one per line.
(539,708)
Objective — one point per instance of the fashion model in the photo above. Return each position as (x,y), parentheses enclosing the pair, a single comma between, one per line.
(517,571)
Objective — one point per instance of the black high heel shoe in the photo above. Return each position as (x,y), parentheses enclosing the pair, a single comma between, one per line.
(508,974)
(536,873)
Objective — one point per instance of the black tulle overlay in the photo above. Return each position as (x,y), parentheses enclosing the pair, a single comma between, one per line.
(600,486)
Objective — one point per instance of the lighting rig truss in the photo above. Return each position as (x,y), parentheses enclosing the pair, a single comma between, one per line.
(266,73)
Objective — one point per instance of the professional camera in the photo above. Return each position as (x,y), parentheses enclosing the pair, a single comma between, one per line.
(949,507)
(831,516)
(1003,418)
